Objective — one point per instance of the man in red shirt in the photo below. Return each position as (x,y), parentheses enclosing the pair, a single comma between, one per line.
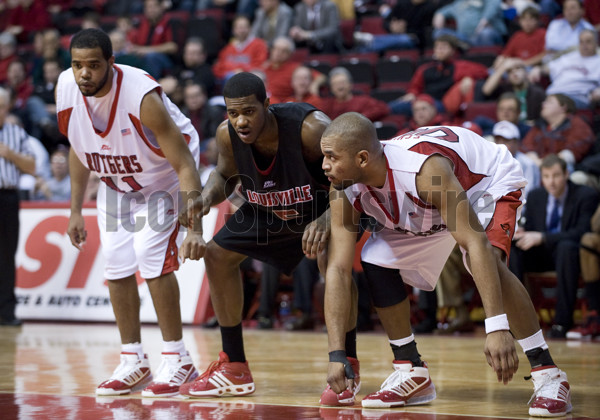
(153,39)
(528,44)
(302,80)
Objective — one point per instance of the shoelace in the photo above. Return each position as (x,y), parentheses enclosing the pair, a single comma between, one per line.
(124,369)
(211,368)
(545,387)
(167,370)
(393,382)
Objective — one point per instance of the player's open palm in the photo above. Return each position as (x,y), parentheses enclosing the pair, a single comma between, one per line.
(501,354)
(193,246)
(76,230)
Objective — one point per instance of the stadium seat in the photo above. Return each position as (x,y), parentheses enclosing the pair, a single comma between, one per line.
(361,70)
(394,69)
(387,94)
(207,28)
(372,24)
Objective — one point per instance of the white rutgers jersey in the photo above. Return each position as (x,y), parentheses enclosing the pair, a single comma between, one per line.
(485,170)
(126,155)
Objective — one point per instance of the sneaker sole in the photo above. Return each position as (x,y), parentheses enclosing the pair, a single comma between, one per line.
(344,403)
(137,387)
(422,397)
(224,391)
(542,412)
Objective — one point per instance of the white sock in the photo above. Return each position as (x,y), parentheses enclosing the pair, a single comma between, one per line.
(533,341)
(402,341)
(133,348)
(174,347)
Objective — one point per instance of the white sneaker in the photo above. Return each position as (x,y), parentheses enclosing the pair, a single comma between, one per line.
(132,373)
(408,385)
(551,393)
(174,371)
(363,38)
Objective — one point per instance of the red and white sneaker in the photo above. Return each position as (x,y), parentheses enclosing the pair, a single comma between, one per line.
(408,385)
(346,397)
(587,331)
(174,371)
(132,374)
(551,393)
(222,378)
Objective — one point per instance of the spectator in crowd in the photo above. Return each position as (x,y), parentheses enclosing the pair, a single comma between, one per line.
(205,117)
(243,53)
(42,168)
(153,39)
(576,74)
(562,34)
(302,81)
(449,81)
(273,19)
(589,258)
(405,25)
(477,23)
(122,52)
(15,157)
(279,68)
(317,26)
(526,44)
(91,20)
(194,66)
(57,187)
(592,13)
(8,53)
(558,131)
(26,18)
(51,50)
(343,100)
(508,134)
(511,76)
(424,113)
(556,217)
(45,90)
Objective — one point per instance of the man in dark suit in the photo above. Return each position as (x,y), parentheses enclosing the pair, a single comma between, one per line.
(556,217)
(317,26)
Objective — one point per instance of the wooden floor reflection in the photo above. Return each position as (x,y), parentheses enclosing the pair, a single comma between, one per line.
(50,371)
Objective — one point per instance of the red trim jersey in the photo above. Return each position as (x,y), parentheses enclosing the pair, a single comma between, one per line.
(485,170)
(125,155)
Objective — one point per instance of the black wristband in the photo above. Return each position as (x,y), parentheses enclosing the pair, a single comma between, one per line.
(339,356)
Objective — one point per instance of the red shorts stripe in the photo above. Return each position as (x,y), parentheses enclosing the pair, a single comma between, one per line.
(501,228)
(172,253)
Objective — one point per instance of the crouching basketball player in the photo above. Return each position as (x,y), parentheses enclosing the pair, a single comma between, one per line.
(427,190)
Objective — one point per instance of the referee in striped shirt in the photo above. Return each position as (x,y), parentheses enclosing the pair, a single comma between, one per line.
(15,157)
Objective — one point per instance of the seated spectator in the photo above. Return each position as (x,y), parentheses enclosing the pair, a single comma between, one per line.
(273,19)
(278,70)
(302,80)
(343,100)
(42,168)
(477,22)
(51,50)
(153,39)
(122,51)
(450,81)
(424,113)
(562,34)
(58,186)
(528,44)
(26,18)
(576,74)
(558,131)
(194,66)
(556,217)
(511,76)
(243,53)
(205,117)
(8,53)
(507,133)
(317,26)
(405,25)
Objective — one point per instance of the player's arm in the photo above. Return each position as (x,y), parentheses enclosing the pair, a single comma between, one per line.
(316,233)
(437,185)
(79,178)
(338,278)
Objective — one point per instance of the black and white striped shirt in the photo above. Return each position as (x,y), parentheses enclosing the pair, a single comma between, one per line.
(16,140)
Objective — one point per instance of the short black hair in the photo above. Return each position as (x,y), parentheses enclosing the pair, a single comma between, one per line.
(92,38)
(245,84)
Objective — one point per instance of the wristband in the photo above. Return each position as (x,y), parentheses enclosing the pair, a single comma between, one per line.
(339,356)
(496,323)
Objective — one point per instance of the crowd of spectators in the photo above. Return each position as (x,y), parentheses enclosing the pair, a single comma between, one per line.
(535,62)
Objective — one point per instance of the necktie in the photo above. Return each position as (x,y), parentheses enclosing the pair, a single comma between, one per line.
(554,223)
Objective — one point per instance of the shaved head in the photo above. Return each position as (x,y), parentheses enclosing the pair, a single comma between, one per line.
(356,130)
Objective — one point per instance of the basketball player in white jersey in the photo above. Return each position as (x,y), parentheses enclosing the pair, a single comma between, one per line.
(122,126)
(427,190)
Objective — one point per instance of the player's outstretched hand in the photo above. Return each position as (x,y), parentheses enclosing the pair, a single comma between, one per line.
(336,378)
(501,354)
(193,246)
(316,235)
(76,230)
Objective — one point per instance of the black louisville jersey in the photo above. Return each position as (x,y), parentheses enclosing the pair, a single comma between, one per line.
(286,187)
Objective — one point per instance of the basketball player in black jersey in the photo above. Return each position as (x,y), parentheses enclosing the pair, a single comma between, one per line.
(272,154)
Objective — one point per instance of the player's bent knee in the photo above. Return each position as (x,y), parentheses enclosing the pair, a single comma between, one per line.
(385,285)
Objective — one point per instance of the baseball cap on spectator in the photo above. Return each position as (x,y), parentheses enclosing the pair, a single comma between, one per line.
(507,130)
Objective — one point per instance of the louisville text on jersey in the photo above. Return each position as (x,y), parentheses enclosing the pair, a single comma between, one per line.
(280,198)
